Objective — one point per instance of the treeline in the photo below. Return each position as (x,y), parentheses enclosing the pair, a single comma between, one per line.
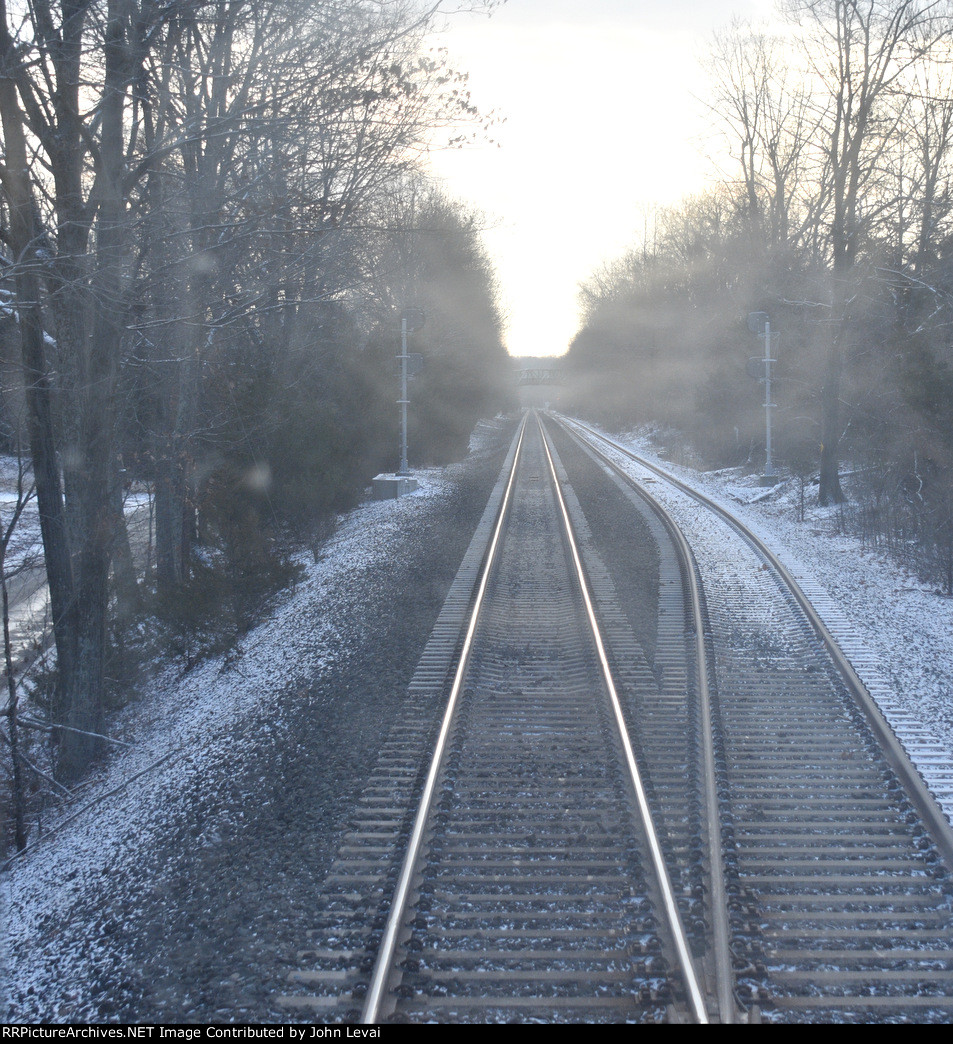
(212,217)
(836,222)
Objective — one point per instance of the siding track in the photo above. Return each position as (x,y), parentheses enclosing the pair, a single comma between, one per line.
(837,857)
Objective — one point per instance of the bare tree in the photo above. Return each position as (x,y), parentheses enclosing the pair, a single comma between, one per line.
(24,239)
(176,174)
(859,52)
(926,124)
(24,494)
(768,121)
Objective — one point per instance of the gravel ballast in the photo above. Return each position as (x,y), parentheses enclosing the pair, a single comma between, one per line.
(622,538)
(186,895)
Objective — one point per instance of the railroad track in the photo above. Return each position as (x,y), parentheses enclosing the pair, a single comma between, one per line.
(837,856)
(535,883)
(787,863)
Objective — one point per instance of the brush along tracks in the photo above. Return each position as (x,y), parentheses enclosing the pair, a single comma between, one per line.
(546,874)
(836,856)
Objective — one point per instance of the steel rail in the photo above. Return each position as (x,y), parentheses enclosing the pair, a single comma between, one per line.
(917,791)
(382,967)
(719,893)
(379,977)
(673,917)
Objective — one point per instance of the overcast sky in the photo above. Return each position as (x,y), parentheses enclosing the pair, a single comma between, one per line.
(604,110)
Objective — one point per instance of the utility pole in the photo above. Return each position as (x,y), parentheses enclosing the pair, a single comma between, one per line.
(759,323)
(770,478)
(389,486)
(404,469)
(411,320)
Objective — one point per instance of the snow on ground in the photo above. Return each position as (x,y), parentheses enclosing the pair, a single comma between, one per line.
(23,563)
(25,545)
(901,628)
(185,725)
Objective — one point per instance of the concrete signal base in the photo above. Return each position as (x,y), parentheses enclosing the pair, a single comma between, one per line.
(389,487)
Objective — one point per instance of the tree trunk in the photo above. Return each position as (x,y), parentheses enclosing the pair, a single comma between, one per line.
(170,492)
(95,482)
(36,372)
(123,564)
(829,491)
(19,788)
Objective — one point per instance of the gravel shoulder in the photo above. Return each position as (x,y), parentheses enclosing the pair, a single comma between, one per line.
(185,896)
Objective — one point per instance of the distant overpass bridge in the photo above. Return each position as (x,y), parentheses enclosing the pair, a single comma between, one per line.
(539,375)
(540,386)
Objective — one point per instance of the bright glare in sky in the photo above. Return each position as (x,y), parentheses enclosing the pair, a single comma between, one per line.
(605,118)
